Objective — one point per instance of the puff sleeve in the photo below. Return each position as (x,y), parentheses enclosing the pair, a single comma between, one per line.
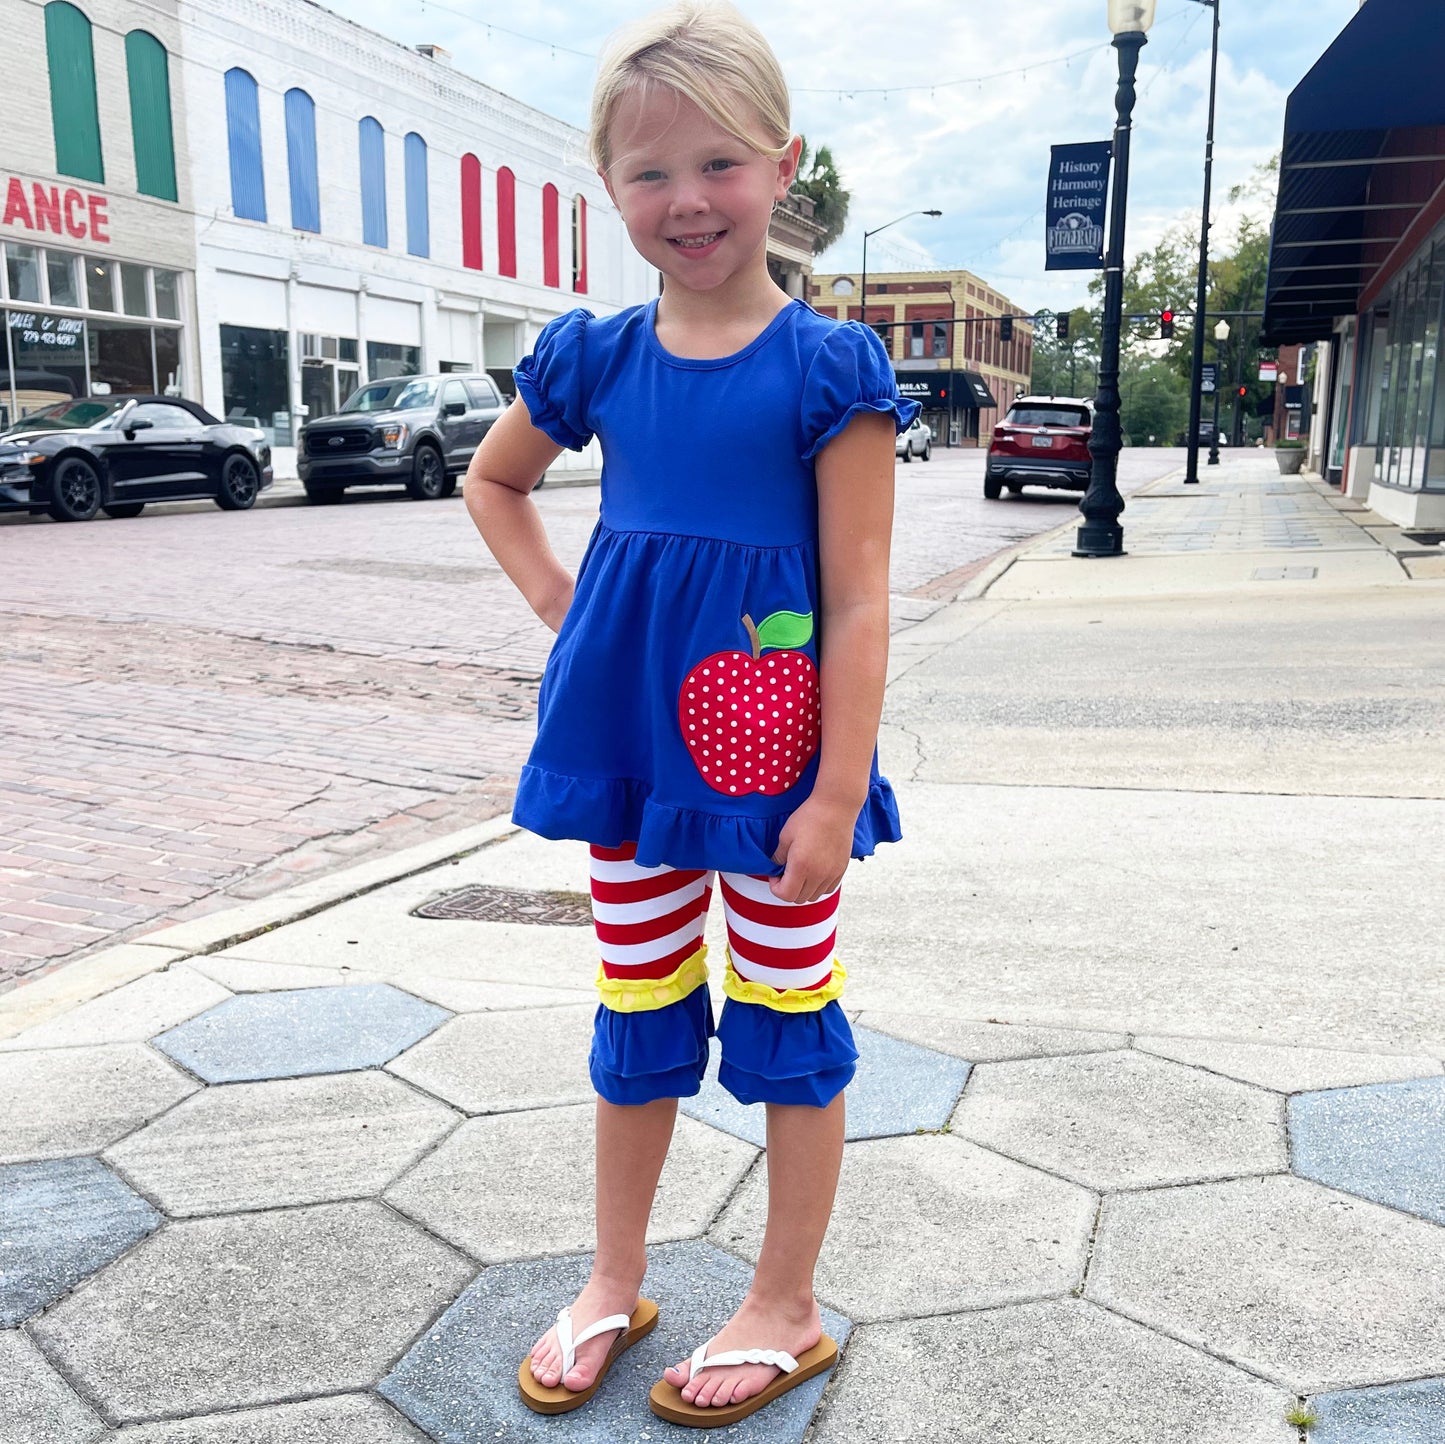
(551,382)
(850,374)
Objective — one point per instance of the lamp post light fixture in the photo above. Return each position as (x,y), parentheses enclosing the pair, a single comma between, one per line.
(863,310)
(1101,535)
(1221,335)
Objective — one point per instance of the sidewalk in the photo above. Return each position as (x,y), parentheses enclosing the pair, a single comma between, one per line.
(1148,1137)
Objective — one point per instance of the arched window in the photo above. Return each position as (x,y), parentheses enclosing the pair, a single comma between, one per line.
(301,161)
(418,222)
(471,212)
(74,116)
(147,69)
(551,261)
(372,141)
(579,244)
(243,125)
(506,222)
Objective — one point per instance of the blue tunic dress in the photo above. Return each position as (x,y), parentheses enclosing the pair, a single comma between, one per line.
(679,707)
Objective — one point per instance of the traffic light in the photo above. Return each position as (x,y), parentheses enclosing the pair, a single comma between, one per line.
(1006,328)
(1061,326)
(1244,390)
(1166,325)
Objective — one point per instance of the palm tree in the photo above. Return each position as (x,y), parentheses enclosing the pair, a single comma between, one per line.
(818,179)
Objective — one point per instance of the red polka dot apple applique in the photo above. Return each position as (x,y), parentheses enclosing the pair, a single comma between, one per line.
(752,723)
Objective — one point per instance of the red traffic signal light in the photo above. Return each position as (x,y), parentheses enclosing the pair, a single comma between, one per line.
(1243,390)
(1166,325)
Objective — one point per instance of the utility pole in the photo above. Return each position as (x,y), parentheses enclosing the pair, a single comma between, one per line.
(1191,467)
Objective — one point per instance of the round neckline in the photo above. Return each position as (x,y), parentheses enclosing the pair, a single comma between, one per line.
(712,363)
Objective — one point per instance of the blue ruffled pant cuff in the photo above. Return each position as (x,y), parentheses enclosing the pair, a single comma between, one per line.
(774,1057)
(662,1053)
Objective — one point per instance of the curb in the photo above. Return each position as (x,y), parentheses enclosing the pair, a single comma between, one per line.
(98,973)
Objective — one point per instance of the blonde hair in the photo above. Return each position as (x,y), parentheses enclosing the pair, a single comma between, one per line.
(707,51)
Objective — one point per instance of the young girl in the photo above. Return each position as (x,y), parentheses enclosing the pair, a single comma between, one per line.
(711,704)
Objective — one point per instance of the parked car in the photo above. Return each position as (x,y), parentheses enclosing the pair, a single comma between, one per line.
(1042,441)
(413,431)
(916,440)
(116,453)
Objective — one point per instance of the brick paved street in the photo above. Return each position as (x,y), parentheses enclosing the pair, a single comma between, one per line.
(201,706)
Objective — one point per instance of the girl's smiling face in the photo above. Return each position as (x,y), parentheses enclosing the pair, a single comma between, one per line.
(695,200)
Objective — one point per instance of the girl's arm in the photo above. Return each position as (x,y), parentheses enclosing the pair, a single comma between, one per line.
(507,465)
(855,527)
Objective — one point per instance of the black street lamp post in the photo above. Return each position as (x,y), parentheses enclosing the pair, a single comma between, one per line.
(1221,335)
(1196,371)
(864,288)
(1101,535)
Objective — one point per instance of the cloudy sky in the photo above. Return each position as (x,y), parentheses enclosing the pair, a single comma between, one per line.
(949,105)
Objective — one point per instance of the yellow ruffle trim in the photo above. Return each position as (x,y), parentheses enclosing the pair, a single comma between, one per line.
(784,1000)
(643,995)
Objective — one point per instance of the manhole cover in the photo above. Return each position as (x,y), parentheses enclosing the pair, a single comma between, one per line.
(483,904)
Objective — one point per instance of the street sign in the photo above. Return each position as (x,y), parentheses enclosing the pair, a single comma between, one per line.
(1077,200)
(1209,377)
(1269,370)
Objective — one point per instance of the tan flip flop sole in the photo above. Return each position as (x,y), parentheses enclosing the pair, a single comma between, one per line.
(668,1403)
(558,1400)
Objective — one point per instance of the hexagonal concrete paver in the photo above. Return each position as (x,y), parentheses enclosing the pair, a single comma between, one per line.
(300,1032)
(899,1088)
(61,1102)
(519,1185)
(1289,1070)
(1307,1286)
(468,995)
(241,975)
(59,1222)
(212,1314)
(505,1061)
(130,1014)
(990,1042)
(37,1406)
(344,1419)
(933,1224)
(1063,1372)
(1385,1143)
(294,1141)
(1411,1413)
(1123,1120)
(460,1381)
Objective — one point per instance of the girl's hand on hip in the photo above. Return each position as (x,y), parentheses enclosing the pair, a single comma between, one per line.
(814,848)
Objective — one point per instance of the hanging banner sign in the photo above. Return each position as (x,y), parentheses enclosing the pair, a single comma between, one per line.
(1078,198)
(1209,377)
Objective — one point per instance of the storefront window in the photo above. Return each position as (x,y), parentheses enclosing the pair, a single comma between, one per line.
(133,289)
(384,359)
(22,272)
(168,359)
(47,360)
(120,358)
(100,286)
(168,298)
(255,380)
(60,271)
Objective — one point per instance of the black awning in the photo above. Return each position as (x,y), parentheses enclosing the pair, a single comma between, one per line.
(944,390)
(1364,150)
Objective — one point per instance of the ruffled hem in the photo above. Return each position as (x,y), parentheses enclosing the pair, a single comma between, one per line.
(774,1057)
(784,1000)
(902,411)
(611,811)
(646,995)
(662,1053)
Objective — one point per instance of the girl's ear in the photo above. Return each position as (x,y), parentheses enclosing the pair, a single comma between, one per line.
(607,181)
(788,166)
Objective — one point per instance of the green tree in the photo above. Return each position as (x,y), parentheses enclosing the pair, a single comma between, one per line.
(1066,368)
(1153,400)
(818,179)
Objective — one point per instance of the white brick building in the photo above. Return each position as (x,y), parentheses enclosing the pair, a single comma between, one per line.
(327,206)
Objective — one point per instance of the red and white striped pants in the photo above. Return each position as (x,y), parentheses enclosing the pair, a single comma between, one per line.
(650,924)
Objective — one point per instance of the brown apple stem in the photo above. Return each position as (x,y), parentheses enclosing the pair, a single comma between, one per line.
(753,636)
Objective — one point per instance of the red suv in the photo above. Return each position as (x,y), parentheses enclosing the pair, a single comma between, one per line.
(1043,441)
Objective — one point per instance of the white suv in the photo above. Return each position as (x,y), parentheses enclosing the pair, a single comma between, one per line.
(917,440)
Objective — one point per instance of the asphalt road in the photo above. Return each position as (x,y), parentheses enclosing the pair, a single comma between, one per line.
(200,706)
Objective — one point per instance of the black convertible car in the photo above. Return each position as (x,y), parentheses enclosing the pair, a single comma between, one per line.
(115,453)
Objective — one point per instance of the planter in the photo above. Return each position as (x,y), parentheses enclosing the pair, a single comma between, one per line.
(1290,458)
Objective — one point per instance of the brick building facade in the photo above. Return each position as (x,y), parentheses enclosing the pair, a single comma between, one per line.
(941,322)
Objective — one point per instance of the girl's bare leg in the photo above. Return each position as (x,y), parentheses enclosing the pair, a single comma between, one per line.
(805,1152)
(631,1148)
